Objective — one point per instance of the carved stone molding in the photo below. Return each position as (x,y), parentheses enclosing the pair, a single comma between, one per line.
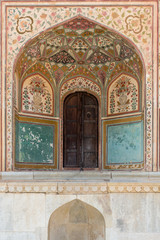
(72,188)
(133,187)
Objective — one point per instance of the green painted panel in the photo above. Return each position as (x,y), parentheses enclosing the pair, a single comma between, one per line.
(34,143)
(125,143)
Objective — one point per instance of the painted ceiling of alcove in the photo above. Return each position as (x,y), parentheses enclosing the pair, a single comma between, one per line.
(79,47)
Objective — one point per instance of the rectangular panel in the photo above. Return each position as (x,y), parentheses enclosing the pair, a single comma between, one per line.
(90,160)
(123,145)
(71,113)
(71,159)
(90,113)
(71,127)
(36,144)
(89,144)
(89,128)
(71,142)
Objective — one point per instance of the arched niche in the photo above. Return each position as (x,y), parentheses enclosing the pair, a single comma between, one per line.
(123,95)
(82,55)
(76,220)
(80,84)
(37,95)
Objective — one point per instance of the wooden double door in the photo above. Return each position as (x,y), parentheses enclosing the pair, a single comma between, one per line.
(80,136)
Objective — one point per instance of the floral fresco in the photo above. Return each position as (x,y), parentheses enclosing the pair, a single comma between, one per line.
(123,95)
(37,96)
(80,84)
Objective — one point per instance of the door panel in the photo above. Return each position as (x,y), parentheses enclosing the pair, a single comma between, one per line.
(90,159)
(71,113)
(80,131)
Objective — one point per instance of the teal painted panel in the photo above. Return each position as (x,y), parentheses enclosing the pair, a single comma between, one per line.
(125,143)
(34,143)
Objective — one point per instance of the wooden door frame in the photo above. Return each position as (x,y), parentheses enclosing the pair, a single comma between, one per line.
(62,98)
(80,95)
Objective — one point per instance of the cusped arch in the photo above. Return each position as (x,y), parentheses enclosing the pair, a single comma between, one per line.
(79,84)
(76,220)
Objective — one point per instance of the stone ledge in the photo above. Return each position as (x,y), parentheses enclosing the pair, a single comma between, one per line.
(74,188)
(81,176)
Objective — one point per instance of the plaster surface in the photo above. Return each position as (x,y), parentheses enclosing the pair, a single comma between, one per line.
(127,215)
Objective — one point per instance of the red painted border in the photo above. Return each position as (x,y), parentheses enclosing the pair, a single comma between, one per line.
(1,92)
(67,1)
(6,54)
(158,76)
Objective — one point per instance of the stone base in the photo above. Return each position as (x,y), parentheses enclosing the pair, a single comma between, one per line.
(130,209)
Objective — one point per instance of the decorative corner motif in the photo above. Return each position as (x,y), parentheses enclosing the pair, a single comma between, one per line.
(134,23)
(24,24)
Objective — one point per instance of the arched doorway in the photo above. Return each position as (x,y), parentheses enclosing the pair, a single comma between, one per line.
(80,131)
(64,60)
(76,220)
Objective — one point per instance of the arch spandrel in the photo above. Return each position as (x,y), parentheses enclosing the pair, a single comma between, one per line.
(79,42)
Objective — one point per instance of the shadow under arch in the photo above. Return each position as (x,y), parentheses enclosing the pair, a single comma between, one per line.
(76,220)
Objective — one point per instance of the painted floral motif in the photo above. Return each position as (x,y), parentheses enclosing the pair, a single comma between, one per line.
(37,96)
(98,58)
(62,57)
(123,95)
(34,51)
(24,24)
(80,47)
(80,84)
(58,75)
(102,47)
(56,42)
(102,76)
(134,23)
(125,52)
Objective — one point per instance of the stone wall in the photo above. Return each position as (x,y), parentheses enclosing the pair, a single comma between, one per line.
(128,210)
(128,216)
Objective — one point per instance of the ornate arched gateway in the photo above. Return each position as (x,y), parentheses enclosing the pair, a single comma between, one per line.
(78,55)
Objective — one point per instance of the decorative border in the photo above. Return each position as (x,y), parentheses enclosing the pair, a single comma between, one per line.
(52,122)
(78,188)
